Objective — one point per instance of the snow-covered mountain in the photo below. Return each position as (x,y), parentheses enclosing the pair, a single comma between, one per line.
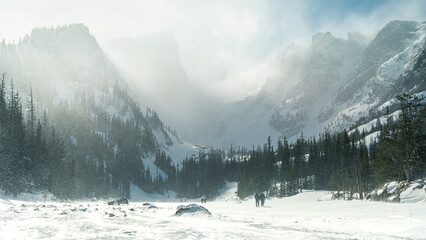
(328,85)
(82,91)
(393,63)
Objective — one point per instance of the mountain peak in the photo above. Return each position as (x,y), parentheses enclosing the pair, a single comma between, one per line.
(74,28)
(74,37)
(321,36)
(322,39)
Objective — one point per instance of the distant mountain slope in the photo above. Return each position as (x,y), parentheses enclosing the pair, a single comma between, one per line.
(387,68)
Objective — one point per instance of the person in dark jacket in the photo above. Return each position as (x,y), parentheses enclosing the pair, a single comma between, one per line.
(257,198)
(262,199)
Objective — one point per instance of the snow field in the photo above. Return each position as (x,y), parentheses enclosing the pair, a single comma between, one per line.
(298,217)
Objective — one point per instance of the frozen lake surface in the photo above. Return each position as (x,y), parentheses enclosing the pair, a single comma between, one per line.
(297,217)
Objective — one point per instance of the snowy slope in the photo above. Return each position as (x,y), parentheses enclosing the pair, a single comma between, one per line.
(385,68)
(367,126)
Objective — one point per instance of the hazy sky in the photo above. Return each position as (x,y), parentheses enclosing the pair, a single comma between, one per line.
(219,41)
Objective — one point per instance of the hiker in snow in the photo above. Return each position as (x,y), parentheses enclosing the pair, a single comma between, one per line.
(262,198)
(257,197)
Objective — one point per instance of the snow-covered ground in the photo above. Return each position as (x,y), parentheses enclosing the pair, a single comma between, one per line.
(298,217)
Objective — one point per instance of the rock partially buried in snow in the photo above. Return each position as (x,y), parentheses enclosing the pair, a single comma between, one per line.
(410,192)
(83,209)
(327,197)
(122,200)
(110,214)
(192,209)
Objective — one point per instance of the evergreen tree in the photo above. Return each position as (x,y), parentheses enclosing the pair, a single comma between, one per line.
(403,150)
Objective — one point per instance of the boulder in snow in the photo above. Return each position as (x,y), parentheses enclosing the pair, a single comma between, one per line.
(414,191)
(192,209)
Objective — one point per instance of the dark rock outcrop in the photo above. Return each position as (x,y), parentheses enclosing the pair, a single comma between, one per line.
(120,201)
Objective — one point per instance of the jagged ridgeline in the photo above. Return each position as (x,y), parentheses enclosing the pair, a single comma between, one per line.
(103,137)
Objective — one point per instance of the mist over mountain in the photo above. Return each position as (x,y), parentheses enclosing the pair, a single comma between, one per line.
(152,67)
(326,86)
(151,63)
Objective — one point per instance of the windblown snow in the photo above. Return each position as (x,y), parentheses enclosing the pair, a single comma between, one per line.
(299,217)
